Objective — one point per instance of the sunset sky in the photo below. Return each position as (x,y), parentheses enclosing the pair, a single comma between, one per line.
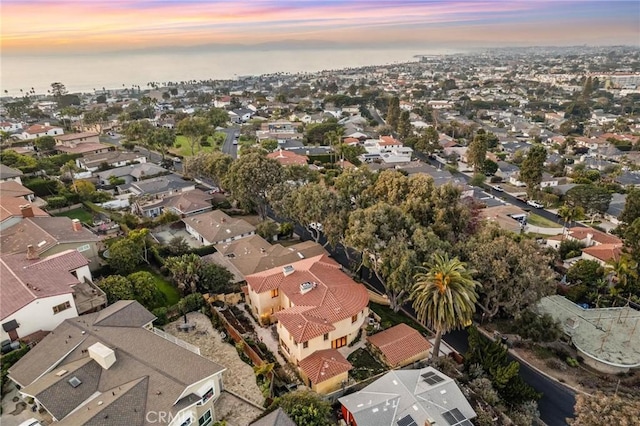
(65,26)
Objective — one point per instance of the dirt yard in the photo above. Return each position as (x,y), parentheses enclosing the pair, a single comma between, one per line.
(239,376)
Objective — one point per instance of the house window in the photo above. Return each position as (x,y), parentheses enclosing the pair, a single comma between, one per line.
(84,248)
(305,345)
(354,318)
(205,419)
(275,293)
(207,396)
(340,342)
(326,336)
(61,307)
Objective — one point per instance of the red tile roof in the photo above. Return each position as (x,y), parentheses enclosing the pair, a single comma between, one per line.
(604,252)
(597,236)
(388,141)
(39,128)
(24,280)
(399,343)
(334,297)
(288,158)
(323,365)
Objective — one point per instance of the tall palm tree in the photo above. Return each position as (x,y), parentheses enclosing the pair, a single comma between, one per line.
(444,296)
(568,215)
(624,268)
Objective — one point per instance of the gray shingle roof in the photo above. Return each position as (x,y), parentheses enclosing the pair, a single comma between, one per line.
(124,313)
(275,418)
(7,172)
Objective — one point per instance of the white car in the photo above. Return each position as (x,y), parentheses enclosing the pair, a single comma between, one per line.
(31,422)
(497,188)
(535,204)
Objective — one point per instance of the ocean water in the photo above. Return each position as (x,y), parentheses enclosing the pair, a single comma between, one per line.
(83,73)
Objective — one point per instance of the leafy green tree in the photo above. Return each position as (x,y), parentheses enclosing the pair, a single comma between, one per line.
(214,278)
(45,143)
(393,113)
(570,248)
(267,229)
(503,373)
(477,152)
(489,167)
(124,256)
(632,239)
(116,287)
(24,163)
(515,275)
(405,129)
(161,139)
(315,134)
(591,198)
(532,168)
(217,117)
(350,152)
(145,291)
(269,145)
(427,141)
(304,407)
(587,272)
(194,128)
(250,178)
(178,246)
(631,210)
(213,165)
(569,214)
(539,328)
(444,296)
(351,185)
(371,231)
(137,131)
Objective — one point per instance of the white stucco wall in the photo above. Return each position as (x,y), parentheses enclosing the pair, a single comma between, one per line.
(38,315)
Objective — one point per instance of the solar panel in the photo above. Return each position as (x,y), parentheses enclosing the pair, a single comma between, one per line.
(407,421)
(455,418)
(432,378)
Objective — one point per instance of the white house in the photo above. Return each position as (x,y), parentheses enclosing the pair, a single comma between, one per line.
(39,130)
(38,294)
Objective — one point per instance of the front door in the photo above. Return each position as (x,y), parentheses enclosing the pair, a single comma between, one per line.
(13,335)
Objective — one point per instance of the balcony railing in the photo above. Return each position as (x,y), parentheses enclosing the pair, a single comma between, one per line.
(179,342)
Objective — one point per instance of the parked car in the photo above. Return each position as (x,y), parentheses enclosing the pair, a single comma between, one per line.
(497,188)
(31,422)
(9,346)
(535,204)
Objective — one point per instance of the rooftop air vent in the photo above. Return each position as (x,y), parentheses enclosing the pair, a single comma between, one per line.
(306,287)
(287,270)
(74,382)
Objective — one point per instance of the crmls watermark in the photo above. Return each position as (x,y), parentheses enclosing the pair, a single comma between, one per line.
(159,417)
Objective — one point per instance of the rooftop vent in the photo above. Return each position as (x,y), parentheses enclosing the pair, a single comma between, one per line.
(288,270)
(103,355)
(74,382)
(61,373)
(306,287)
(300,255)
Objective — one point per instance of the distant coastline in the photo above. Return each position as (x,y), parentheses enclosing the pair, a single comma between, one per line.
(86,72)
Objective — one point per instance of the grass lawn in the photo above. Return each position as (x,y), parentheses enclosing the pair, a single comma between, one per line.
(542,222)
(81,214)
(171,293)
(388,318)
(364,365)
(185,149)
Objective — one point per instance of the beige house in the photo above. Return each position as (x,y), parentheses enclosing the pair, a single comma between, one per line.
(600,246)
(325,371)
(51,235)
(215,227)
(317,306)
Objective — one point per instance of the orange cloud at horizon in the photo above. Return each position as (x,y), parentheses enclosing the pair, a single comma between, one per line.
(75,25)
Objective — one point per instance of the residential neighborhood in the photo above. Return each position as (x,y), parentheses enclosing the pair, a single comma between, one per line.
(355,241)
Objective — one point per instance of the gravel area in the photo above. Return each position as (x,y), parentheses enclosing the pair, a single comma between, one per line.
(235,411)
(239,376)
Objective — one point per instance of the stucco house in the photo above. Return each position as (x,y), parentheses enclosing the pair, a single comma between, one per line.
(183,204)
(599,246)
(13,210)
(408,398)
(111,367)
(39,130)
(40,293)
(215,227)
(288,158)
(318,308)
(93,162)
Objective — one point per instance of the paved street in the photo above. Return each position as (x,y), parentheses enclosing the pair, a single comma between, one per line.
(228,147)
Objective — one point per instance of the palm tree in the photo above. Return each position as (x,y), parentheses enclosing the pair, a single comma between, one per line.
(624,268)
(568,215)
(444,296)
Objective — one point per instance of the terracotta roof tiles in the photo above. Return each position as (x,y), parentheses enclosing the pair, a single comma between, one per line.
(324,365)
(399,343)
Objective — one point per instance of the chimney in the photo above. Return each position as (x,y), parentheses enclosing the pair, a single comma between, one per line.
(32,254)
(76,225)
(103,355)
(26,210)
(589,240)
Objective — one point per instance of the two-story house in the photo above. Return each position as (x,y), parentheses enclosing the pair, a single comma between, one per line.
(110,367)
(94,162)
(39,130)
(319,309)
(215,227)
(40,293)
(599,246)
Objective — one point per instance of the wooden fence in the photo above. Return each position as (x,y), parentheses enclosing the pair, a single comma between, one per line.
(65,209)
(238,338)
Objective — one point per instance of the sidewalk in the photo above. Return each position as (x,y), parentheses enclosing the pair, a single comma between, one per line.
(541,230)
